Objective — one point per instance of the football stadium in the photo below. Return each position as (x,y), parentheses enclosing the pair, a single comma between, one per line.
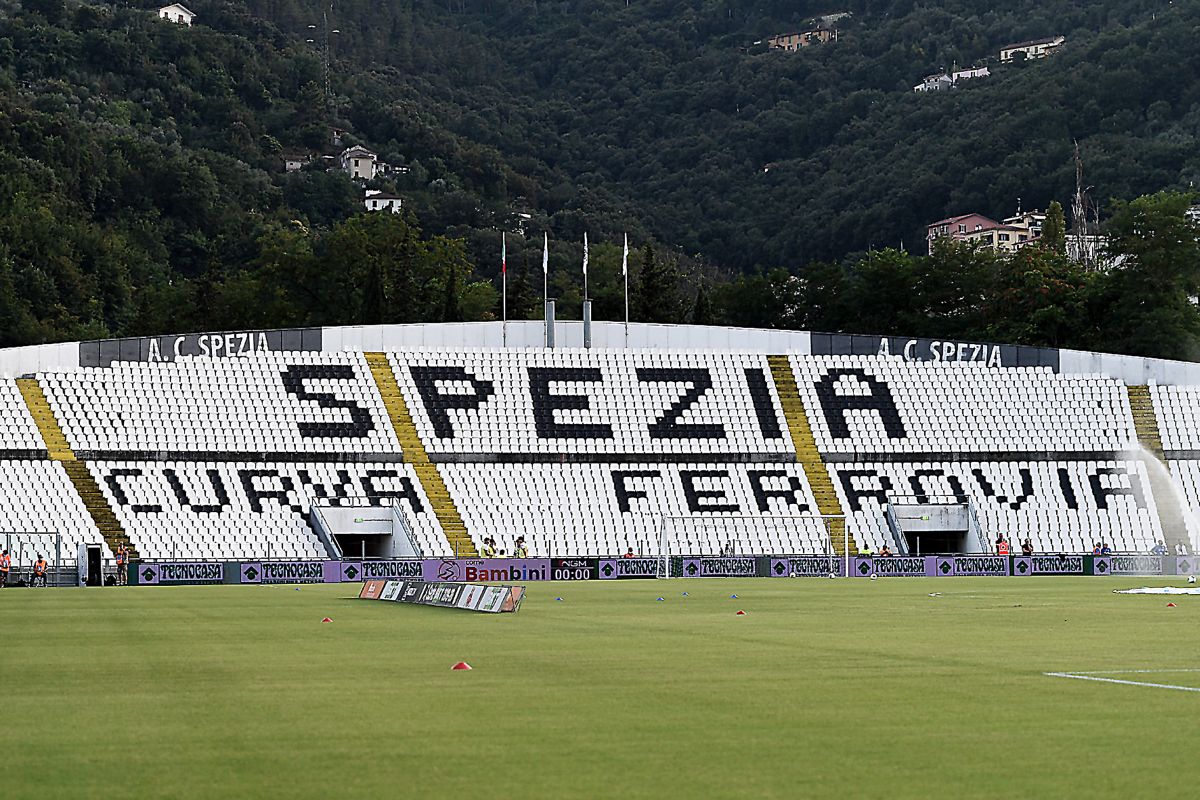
(572,560)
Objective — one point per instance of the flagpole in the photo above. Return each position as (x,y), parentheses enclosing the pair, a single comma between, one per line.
(545,287)
(585,260)
(504,289)
(625,272)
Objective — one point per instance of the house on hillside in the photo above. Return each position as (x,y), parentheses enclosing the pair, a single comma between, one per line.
(358,162)
(293,162)
(792,42)
(176,13)
(1035,48)
(957,228)
(940,81)
(971,72)
(1004,238)
(376,200)
(934,83)
(1193,215)
(829,19)
(1020,230)
(1011,234)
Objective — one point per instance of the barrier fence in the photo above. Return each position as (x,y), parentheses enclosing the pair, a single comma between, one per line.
(494,570)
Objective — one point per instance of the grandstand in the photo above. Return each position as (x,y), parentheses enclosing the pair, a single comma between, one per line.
(190,451)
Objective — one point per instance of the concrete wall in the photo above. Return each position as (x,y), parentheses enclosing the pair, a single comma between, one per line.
(920,519)
(359,521)
(568,334)
(17,361)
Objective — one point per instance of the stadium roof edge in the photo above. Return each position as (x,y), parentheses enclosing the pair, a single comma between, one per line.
(68,356)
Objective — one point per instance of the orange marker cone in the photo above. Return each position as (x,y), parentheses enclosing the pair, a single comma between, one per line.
(1170,605)
(461,665)
(327,619)
(741,613)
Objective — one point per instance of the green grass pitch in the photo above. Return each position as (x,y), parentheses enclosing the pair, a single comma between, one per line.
(825,688)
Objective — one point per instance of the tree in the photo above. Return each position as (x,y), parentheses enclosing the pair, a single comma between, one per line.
(1146,302)
(657,298)
(702,309)
(1037,297)
(1054,229)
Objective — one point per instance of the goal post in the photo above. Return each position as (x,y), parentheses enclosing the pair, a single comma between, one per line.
(691,536)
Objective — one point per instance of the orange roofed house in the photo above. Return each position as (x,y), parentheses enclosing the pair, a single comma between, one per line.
(1014,232)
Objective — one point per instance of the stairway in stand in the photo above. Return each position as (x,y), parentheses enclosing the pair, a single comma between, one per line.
(453,527)
(1166,495)
(81,477)
(807,454)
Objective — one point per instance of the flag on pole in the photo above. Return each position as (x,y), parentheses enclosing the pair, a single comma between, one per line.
(545,254)
(585,259)
(625,275)
(504,288)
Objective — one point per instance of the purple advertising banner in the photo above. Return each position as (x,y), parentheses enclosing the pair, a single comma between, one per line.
(347,571)
(1133,565)
(973,565)
(331,571)
(148,574)
(1022,566)
(895,566)
(808,567)
(1057,564)
(1187,565)
(182,572)
(612,568)
(375,570)
(469,570)
(293,572)
(732,567)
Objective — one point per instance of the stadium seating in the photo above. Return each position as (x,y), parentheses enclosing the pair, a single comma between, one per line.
(17,429)
(271,402)
(890,405)
(1058,506)
(587,452)
(603,509)
(1186,476)
(237,510)
(596,402)
(39,504)
(1178,412)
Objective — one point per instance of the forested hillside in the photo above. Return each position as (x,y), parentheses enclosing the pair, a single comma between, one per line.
(656,108)
(142,185)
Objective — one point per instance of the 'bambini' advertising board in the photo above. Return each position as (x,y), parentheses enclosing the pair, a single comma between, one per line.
(467,596)
(471,570)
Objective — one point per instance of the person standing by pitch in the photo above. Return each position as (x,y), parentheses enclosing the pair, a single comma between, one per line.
(122,562)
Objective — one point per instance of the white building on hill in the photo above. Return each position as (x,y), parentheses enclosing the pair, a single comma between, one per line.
(381,201)
(359,163)
(1034,48)
(178,13)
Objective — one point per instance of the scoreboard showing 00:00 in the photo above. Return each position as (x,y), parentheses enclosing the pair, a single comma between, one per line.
(573,569)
